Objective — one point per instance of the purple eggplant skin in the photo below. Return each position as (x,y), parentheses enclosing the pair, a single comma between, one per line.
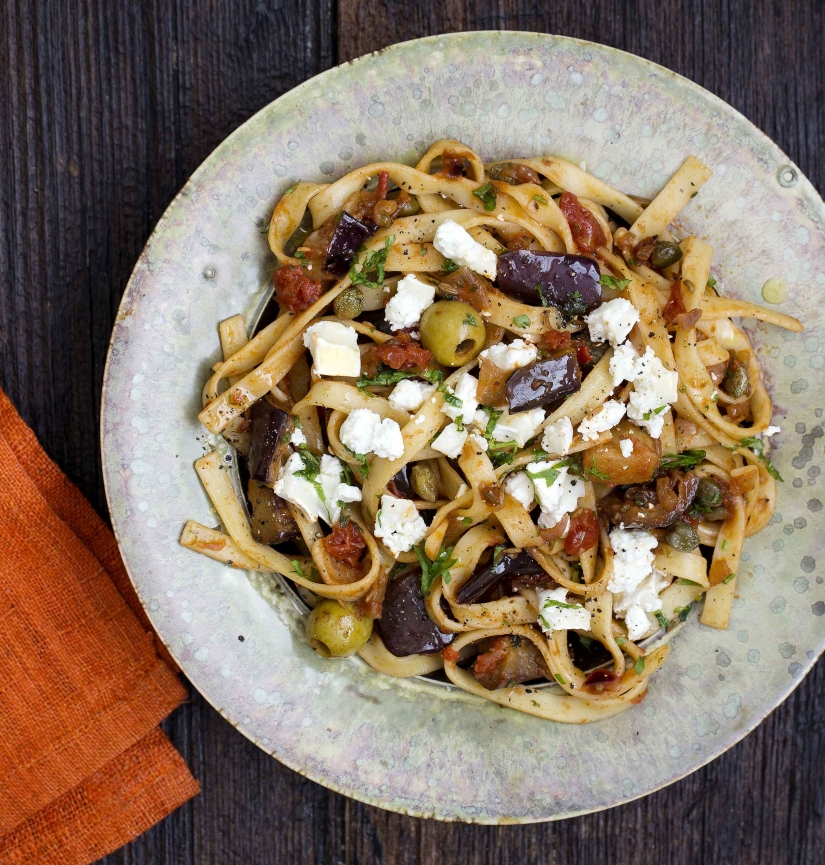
(508,565)
(349,234)
(543,382)
(268,427)
(399,484)
(404,626)
(522,273)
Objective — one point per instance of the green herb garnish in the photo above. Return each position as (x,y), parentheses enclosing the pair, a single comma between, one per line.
(711,282)
(542,298)
(363,465)
(756,445)
(662,619)
(487,194)
(431,569)
(620,641)
(685,460)
(498,552)
(682,581)
(522,321)
(471,320)
(724,545)
(574,306)
(595,473)
(540,198)
(648,414)
(467,520)
(292,188)
(547,475)
(559,678)
(296,566)
(502,453)
(639,666)
(728,578)
(373,262)
(386,377)
(449,266)
(551,602)
(609,281)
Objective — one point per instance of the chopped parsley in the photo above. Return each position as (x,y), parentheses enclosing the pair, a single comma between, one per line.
(551,602)
(685,460)
(683,581)
(498,552)
(386,377)
(467,520)
(522,321)
(595,473)
(540,199)
(711,282)
(559,678)
(648,414)
(292,189)
(620,641)
(373,262)
(363,465)
(449,397)
(758,447)
(449,266)
(547,475)
(724,545)
(487,194)
(471,320)
(609,281)
(432,569)
(639,666)
(311,471)
(542,298)
(662,619)
(502,453)
(728,578)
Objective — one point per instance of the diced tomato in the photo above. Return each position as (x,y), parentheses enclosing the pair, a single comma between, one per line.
(586,230)
(583,532)
(403,352)
(345,543)
(555,339)
(450,654)
(583,354)
(294,290)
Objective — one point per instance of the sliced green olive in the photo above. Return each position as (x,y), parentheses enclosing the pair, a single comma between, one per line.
(708,494)
(424,482)
(335,632)
(453,331)
(736,382)
(682,536)
(664,254)
(349,303)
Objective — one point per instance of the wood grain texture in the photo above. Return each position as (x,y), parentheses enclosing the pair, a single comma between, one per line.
(105,110)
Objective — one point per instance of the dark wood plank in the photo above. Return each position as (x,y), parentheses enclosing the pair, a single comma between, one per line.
(105,109)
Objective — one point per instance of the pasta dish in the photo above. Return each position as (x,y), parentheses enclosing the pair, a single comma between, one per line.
(498,426)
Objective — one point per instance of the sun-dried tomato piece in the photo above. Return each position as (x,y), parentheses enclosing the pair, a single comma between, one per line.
(644,249)
(583,533)
(555,340)
(294,290)
(675,306)
(452,165)
(585,228)
(403,352)
(345,543)
(583,354)
(451,654)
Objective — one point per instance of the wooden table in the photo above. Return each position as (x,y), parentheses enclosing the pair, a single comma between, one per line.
(106,107)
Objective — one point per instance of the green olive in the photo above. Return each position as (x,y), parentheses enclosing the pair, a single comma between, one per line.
(736,382)
(349,303)
(335,632)
(708,494)
(682,536)
(664,254)
(424,482)
(453,331)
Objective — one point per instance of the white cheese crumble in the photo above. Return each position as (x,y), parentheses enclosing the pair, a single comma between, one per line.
(771,431)
(517,354)
(479,441)
(399,525)
(626,447)
(465,390)
(601,420)
(364,432)
(554,617)
(450,440)
(612,321)
(334,348)
(654,389)
(623,363)
(303,493)
(518,428)
(520,487)
(635,583)
(558,437)
(297,438)
(409,394)
(453,242)
(557,498)
(411,298)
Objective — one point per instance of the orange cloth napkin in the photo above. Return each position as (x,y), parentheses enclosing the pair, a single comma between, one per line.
(84,768)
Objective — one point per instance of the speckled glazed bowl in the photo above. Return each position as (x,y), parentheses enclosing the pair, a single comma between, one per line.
(410,745)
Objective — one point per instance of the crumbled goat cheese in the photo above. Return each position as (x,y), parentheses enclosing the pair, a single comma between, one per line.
(654,389)
(612,321)
(411,298)
(518,428)
(636,603)
(601,420)
(557,498)
(623,363)
(409,394)
(558,437)
(450,440)
(479,441)
(553,617)
(364,432)
(399,525)
(635,583)
(455,243)
(303,493)
(517,354)
(626,447)
(465,390)
(334,348)
(520,487)
(297,438)
(771,431)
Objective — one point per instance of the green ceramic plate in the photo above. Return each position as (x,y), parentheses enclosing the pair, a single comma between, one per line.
(413,746)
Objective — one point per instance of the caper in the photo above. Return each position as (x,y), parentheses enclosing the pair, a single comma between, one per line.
(708,493)
(736,382)
(349,303)
(424,482)
(335,632)
(453,331)
(682,536)
(384,212)
(664,254)
(410,207)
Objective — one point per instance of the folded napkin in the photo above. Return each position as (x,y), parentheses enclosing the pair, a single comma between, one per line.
(84,768)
